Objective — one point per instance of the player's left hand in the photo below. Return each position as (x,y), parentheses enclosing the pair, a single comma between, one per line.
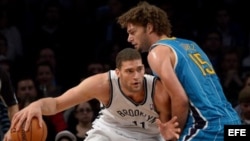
(169,130)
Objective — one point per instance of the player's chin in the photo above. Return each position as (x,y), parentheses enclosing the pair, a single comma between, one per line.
(136,46)
(139,49)
(137,88)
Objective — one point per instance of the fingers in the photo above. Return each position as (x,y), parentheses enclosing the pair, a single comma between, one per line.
(19,120)
(177,136)
(178,130)
(170,129)
(173,119)
(159,124)
(7,136)
(176,124)
(16,122)
(27,123)
(158,121)
(40,119)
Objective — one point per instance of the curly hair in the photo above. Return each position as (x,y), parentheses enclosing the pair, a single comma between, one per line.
(145,13)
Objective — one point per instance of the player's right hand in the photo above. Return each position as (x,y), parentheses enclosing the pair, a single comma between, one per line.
(170,129)
(24,116)
(7,136)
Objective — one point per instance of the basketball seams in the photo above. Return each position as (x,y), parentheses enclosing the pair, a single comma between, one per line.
(43,138)
(39,134)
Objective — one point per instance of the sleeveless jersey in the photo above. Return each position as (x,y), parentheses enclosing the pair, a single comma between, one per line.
(208,104)
(125,114)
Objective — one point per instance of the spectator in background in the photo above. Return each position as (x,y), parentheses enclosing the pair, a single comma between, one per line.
(231,75)
(13,37)
(211,43)
(94,68)
(26,91)
(231,31)
(45,78)
(243,107)
(81,118)
(47,54)
(50,30)
(65,135)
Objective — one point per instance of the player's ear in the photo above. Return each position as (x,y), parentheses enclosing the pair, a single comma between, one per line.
(149,28)
(117,71)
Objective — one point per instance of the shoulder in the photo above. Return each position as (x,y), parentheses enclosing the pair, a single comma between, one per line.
(158,55)
(160,49)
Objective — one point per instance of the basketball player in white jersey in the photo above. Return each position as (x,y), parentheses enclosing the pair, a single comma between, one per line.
(133,103)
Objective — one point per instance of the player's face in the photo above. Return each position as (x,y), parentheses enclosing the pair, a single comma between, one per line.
(131,75)
(138,37)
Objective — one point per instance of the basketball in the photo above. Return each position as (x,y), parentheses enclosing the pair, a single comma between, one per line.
(34,133)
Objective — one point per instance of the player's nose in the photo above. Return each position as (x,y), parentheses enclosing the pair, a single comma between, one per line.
(129,38)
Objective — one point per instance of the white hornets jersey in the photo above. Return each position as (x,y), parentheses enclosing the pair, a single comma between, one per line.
(122,113)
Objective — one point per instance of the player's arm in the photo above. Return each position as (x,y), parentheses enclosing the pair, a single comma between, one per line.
(162,101)
(167,126)
(161,61)
(89,88)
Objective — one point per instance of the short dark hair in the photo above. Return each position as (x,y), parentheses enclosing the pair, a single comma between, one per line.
(127,54)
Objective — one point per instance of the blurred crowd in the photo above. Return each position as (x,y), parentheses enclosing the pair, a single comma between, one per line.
(48,46)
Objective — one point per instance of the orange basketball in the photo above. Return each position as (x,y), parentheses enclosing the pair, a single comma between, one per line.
(34,133)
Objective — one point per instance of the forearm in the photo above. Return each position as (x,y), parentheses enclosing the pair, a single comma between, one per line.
(12,110)
(180,109)
(48,106)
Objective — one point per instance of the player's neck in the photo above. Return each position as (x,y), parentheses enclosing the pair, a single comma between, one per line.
(154,38)
(137,97)
(163,37)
